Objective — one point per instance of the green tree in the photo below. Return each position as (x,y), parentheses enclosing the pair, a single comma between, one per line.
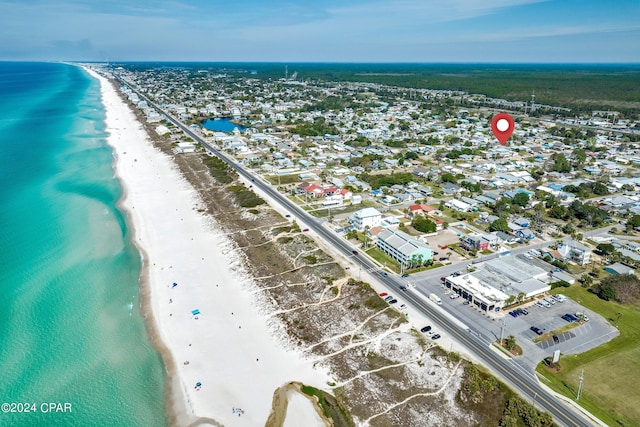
(579,156)
(634,221)
(423,224)
(510,342)
(560,163)
(521,199)
(605,248)
(448,177)
(605,291)
(499,225)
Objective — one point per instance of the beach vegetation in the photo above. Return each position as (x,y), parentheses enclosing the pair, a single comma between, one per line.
(219,170)
(375,303)
(331,407)
(245,197)
(311,259)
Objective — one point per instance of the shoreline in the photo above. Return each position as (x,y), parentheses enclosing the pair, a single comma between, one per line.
(169,233)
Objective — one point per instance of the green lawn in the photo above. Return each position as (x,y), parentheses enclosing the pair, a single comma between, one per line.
(611,371)
(384,259)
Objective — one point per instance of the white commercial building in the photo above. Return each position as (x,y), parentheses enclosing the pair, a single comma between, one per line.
(494,281)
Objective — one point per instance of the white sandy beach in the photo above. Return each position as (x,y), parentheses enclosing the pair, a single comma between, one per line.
(230,347)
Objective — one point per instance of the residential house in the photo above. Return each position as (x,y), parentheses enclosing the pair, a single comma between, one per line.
(575,251)
(474,242)
(618,268)
(366,218)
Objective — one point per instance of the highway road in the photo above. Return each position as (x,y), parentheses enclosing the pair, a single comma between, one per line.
(525,383)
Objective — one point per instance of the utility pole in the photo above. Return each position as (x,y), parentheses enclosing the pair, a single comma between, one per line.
(504,323)
(580,385)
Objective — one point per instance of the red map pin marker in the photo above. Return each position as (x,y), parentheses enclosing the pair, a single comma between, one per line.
(502,126)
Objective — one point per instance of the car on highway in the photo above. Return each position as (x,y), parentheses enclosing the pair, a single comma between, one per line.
(305,230)
(393,301)
(404,275)
(384,273)
(403,288)
(435,336)
(426,329)
(536,330)
(354,252)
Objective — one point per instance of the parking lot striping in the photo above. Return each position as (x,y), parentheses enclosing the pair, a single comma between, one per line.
(601,337)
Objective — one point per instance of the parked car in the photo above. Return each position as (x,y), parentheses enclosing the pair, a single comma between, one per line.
(305,230)
(393,301)
(539,304)
(389,298)
(582,316)
(403,306)
(435,336)
(466,302)
(454,296)
(384,294)
(442,279)
(513,313)
(556,339)
(567,318)
(287,216)
(442,258)
(536,330)
(426,329)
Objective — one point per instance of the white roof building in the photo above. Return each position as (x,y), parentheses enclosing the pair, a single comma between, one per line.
(367,217)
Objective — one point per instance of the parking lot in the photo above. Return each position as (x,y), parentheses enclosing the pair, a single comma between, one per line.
(582,337)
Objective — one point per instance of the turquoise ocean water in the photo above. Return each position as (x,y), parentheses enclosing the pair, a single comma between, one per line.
(70,325)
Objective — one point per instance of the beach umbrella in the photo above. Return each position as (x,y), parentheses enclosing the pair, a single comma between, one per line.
(174,285)
(198,384)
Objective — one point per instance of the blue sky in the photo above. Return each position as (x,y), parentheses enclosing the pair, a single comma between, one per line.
(322,30)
